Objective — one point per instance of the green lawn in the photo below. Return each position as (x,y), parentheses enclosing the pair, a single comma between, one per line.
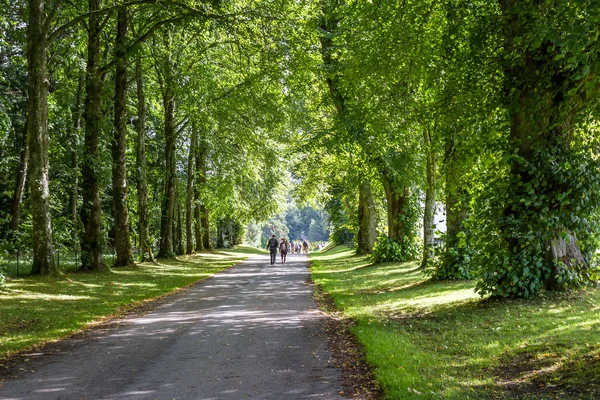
(431,340)
(38,309)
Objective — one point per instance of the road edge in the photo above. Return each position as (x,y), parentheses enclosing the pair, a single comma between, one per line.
(348,354)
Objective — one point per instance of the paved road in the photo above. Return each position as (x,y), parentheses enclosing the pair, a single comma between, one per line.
(251,332)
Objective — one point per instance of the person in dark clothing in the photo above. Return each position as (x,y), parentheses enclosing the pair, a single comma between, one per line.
(272,246)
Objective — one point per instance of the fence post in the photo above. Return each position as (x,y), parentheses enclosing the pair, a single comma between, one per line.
(17,263)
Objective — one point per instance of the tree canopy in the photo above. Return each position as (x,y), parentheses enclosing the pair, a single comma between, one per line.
(168,127)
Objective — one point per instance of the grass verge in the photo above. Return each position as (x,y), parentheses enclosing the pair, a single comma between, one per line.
(39,309)
(432,340)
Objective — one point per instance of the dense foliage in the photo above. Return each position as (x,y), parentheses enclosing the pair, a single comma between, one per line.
(388,250)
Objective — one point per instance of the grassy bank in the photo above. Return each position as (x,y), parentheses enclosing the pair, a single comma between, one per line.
(431,340)
(38,309)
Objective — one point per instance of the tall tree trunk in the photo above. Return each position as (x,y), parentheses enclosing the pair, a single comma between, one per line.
(168,206)
(74,197)
(189,201)
(221,233)
(201,210)
(430,198)
(199,180)
(142,187)
(119,147)
(198,222)
(92,241)
(396,208)
(37,134)
(367,219)
(543,96)
(178,236)
(17,198)
(205,228)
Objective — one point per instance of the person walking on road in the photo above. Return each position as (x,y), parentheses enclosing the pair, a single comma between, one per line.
(305,247)
(272,246)
(283,249)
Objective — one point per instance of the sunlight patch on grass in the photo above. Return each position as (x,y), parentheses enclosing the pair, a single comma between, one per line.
(354,268)
(454,296)
(22,295)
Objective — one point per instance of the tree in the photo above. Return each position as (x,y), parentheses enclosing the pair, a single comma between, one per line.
(92,239)
(544,197)
(140,160)
(119,146)
(189,198)
(165,76)
(329,26)
(37,134)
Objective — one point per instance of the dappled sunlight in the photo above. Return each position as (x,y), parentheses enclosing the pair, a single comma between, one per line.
(231,320)
(425,303)
(83,284)
(446,297)
(23,295)
(350,269)
(337,253)
(26,284)
(137,284)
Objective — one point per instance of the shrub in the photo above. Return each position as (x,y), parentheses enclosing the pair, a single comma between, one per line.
(454,262)
(387,249)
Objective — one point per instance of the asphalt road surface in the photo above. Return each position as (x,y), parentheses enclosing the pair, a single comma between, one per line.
(251,332)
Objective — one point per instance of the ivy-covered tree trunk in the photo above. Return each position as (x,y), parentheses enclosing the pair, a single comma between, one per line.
(367,219)
(544,201)
(92,240)
(140,160)
(430,199)
(189,198)
(168,206)
(119,147)
(37,133)
(538,148)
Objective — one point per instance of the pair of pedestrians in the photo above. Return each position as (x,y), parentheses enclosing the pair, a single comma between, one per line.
(283,247)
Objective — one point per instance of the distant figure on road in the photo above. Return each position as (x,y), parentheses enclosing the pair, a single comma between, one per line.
(305,247)
(272,246)
(283,249)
